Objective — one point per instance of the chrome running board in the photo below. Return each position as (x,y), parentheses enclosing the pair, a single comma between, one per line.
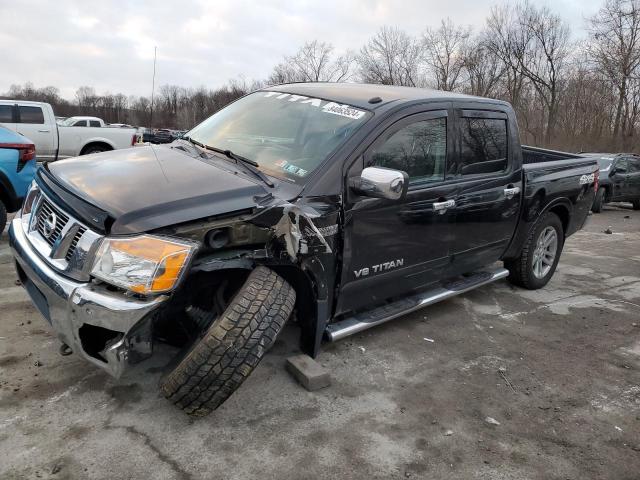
(371,318)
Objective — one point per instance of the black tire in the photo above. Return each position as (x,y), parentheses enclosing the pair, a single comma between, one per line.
(3,217)
(521,271)
(636,204)
(232,347)
(95,149)
(598,201)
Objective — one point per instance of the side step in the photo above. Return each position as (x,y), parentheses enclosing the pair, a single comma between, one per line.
(371,318)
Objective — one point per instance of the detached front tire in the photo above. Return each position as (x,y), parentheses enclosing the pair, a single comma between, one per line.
(598,201)
(233,345)
(540,255)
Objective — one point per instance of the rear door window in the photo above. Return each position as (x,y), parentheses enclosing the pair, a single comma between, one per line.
(483,146)
(94,123)
(29,114)
(6,113)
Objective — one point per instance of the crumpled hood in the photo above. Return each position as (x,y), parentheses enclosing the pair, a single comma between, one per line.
(146,188)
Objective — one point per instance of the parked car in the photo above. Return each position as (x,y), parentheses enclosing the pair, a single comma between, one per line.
(82,122)
(163,135)
(35,120)
(349,204)
(619,179)
(17,168)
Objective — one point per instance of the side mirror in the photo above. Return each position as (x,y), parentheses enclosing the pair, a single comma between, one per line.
(379,182)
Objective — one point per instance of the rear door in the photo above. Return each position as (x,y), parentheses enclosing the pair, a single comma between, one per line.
(619,179)
(394,247)
(31,123)
(489,196)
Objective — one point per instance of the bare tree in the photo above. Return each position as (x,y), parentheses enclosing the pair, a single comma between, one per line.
(444,53)
(484,69)
(614,34)
(534,42)
(86,97)
(313,63)
(391,57)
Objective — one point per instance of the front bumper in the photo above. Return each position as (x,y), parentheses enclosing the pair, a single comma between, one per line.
(105,327)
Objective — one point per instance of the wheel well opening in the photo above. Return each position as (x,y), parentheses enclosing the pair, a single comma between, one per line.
(563,214)
(305,298)
(88,146)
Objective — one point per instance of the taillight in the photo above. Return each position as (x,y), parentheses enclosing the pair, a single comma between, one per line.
(596,180)
(134,140)
(26,152)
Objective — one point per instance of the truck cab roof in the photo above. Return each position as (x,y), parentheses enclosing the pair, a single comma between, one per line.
(373,97)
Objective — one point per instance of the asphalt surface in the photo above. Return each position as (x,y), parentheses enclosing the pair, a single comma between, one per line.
(515,384)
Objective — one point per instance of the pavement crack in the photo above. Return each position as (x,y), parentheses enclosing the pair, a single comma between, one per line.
(164,458)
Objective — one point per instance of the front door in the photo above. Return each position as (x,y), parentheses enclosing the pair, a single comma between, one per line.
(633,179)
(394,247)
(7,116)
(488,200)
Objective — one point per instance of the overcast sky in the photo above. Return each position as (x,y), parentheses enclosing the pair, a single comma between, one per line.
(109,44)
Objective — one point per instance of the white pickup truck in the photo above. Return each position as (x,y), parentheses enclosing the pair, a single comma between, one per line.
(35,120)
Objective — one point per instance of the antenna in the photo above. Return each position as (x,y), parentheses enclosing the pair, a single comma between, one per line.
(153,85)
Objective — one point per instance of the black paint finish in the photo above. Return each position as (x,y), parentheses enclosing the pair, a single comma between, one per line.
(151,188)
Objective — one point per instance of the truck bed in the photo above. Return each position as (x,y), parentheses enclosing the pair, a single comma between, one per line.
(541,155)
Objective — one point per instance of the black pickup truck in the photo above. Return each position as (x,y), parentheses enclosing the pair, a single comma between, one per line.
(340,205)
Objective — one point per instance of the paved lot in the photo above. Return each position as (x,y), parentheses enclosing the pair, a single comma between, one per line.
(567,399)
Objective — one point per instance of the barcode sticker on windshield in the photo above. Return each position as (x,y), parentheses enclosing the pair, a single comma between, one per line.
(343,110)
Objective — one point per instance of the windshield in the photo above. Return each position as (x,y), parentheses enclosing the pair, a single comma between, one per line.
(289,136)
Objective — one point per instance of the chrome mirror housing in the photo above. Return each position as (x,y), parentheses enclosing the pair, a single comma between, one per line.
(380,182)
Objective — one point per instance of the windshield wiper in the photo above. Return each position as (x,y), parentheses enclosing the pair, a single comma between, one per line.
(253,165)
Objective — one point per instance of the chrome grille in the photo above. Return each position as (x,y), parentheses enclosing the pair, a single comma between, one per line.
(74,243)
(66,243)
(44,213)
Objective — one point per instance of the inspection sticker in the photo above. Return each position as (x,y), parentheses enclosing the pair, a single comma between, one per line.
(290,168)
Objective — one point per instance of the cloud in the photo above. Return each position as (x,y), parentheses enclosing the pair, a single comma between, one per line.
(109,45)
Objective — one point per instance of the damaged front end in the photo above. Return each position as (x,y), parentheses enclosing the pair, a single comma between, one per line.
(297,240)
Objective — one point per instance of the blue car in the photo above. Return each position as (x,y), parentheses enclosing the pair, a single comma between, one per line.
(17,169)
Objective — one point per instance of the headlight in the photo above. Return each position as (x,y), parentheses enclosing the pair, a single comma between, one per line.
(144,264)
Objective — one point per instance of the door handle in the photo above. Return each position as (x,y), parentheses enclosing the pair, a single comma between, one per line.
(44,131)
(442,207)
(511,192)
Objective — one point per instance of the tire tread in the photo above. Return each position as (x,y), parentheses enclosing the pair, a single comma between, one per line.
(233,346)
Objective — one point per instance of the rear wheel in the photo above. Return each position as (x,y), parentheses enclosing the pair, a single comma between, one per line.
(540,254)
(636,204)
(95,149)
(224,357)
(3,217)
(598,201)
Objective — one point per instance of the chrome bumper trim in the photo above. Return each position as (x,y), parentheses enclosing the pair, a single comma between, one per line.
(72,304)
